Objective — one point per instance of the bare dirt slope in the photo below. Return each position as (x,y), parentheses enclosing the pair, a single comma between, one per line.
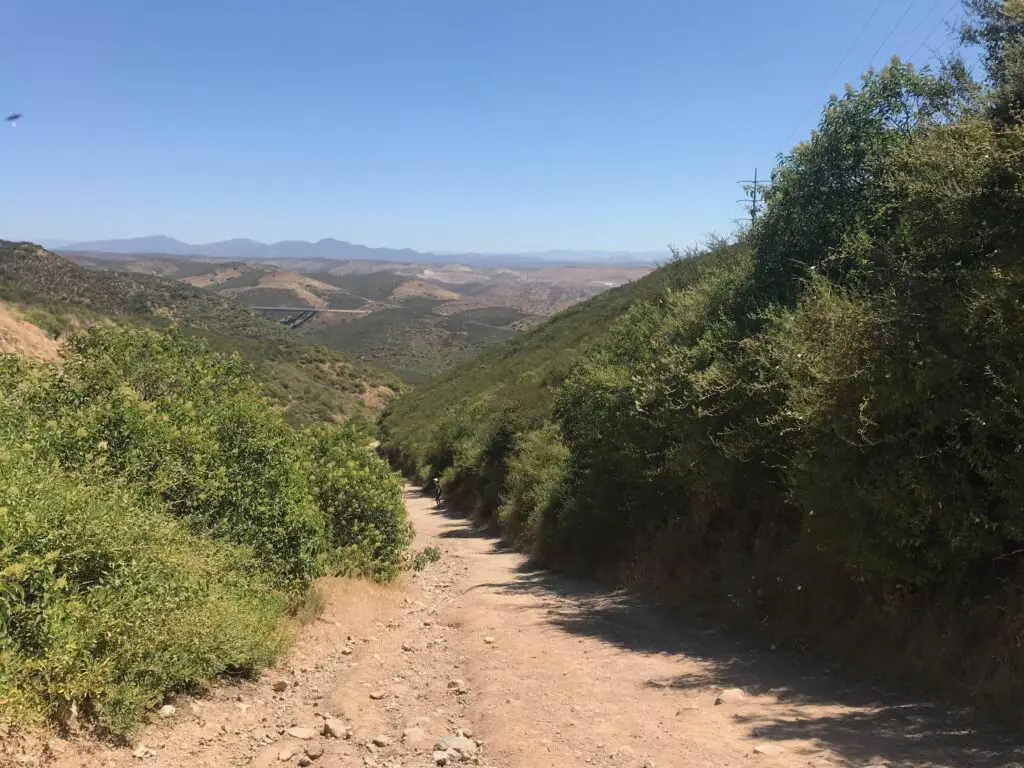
(538,671)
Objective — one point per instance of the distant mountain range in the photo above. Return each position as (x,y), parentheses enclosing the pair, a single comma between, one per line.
(242,249)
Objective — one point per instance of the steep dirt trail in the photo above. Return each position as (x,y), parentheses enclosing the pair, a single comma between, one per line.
(542,672)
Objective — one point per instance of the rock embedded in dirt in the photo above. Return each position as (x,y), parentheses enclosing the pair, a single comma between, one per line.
(440,757)
(304,761)
(301,733)
(730,695)
(377,695)
(414,737)
(460,744)
(489,640)
(141,752)
(346,651)
(336,729)
(381,741)
(314,751)
(167,710)
(458,687)
(287,753)
(280,686)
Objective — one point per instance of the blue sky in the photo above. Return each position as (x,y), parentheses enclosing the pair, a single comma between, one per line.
(482,125)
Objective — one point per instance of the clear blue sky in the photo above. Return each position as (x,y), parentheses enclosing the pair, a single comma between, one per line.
(488,125)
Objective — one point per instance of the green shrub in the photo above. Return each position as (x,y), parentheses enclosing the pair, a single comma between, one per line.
(362,500)
(107,604)
(533,484)
(425,557)
(165,414)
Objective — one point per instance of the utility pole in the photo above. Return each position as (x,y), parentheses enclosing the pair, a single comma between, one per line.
(754,201)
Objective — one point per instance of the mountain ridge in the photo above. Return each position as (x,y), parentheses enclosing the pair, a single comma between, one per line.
(331,248)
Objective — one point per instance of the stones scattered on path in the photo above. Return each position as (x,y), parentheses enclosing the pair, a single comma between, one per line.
(301,733)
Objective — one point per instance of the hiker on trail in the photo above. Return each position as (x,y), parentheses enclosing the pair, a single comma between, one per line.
(437,491)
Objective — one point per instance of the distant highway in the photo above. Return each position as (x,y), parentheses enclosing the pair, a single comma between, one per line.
(311,309)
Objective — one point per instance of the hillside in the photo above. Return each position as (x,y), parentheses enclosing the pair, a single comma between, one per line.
(309,381)
(415,320)
(522,373)
(815,431)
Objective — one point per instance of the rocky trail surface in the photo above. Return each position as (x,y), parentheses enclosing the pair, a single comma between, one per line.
(481,660)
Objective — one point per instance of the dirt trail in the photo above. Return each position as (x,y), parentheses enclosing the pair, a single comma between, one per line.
(542,672)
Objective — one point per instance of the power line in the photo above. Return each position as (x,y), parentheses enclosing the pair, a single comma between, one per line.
(836,70)
(754,200)
(920,23)
(891,32)
(937,25)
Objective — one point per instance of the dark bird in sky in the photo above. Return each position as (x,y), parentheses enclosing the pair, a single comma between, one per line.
(12,118)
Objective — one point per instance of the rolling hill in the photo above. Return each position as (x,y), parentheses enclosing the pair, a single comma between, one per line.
(308,380)
(416,320)
(245,249)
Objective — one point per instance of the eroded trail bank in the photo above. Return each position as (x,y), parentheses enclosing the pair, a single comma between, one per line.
(533,671)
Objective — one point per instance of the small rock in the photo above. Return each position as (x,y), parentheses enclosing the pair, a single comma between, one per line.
(336,729)
(167,710)
(458,687)
(730,695)
(381,741)
(408,647)
(346,651)
(301,733)
(314,751)
(377,695)
(466,732)
(765,749)
(287,753)
(414,737)
(460,744)
(141,751)
(281,685)
(440,758)
(304,761)
(489,640)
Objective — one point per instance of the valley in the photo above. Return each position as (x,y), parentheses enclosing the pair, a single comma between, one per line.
(415,320)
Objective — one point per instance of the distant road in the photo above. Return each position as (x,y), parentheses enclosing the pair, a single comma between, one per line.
(312,309)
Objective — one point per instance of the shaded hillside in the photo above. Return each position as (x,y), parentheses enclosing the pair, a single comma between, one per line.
(309,381)
(412,342)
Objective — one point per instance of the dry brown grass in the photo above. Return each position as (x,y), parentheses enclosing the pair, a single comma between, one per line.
(22,338)
(422,288)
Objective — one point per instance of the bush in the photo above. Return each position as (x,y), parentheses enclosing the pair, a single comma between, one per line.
(533,484)
(165,414)
(833,402)
(107,604)
(362,500)
(158,519)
